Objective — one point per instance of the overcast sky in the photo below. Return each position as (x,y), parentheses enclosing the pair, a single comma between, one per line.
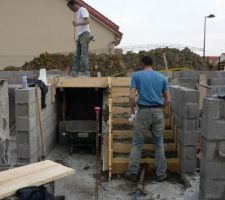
(167,21)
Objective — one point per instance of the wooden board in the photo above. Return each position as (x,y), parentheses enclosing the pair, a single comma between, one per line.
(80,82)
(125,148)
(31,175)
(120,92)
(126,134)
(120,165)
(121,81)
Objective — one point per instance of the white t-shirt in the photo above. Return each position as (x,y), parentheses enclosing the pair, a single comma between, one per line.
(81,14)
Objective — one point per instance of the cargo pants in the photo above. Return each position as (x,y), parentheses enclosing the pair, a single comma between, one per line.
(81,56)
(148,121)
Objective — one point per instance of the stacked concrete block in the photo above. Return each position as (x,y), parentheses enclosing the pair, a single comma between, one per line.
(186,113)
(189,79)
(4,123)
(212,182)
(28,135)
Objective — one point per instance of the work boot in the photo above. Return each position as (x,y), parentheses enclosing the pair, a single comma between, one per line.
(130,176)
(161,178)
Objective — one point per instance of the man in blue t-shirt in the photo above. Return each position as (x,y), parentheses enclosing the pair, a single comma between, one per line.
(153,94)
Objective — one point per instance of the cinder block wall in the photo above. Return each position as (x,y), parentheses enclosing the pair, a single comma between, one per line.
(186,113)
(29,146)
(212,171)
(4,123)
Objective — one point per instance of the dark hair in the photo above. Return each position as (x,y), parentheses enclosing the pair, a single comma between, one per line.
(71,2)
(147,61)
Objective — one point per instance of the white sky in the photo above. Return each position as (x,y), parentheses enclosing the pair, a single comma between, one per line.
(167,21)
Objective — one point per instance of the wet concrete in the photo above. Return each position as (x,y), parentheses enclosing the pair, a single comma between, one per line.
(81,186)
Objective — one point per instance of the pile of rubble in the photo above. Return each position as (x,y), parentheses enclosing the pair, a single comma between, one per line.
(118,64)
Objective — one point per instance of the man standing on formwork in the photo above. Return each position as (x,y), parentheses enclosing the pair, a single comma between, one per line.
(81,23)
(151,87)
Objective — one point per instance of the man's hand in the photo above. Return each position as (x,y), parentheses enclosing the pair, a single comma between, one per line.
(75,23)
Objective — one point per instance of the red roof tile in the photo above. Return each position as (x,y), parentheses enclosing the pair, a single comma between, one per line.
(213,59)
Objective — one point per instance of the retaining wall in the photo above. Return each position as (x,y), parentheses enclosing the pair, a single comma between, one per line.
(29,147)
(212,171)
(4,123)
(186,114)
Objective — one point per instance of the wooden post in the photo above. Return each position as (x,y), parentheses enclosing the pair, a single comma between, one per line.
(110,127)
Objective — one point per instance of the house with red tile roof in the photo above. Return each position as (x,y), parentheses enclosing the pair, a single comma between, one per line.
(29,28)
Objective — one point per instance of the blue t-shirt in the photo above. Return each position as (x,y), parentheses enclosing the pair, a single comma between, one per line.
(150,86)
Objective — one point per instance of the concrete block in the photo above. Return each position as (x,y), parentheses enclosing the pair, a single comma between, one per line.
(188,152)
(23,150)
(209,149)
(213,129)
(189,124)
(23,137)
(188,137)
(25,123)
(213,108)
(216,81)
(25,95)
(188,110)
(189,95)
(188,165)
(189,74)
(212,189)
(26,109)
(212,169)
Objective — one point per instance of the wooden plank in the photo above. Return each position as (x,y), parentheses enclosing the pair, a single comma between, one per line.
(80,82)
(126,148)
(120,165)
(120,99)
(105,152)
(121,81)
(120,110)
(36,178)
(120,92)
(25,170)
(122,121)
(128,134)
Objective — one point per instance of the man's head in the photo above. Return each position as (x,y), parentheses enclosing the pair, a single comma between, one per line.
(73,5)
(146,61)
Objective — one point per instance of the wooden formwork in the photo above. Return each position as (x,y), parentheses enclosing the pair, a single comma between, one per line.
(120,132)
(117,143)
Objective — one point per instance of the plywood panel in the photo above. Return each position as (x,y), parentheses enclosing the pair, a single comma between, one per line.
(31,175)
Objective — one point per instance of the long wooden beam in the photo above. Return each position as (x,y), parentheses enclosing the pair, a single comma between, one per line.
(88,82)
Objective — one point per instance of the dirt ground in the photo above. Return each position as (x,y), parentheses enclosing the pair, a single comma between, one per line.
(81,185)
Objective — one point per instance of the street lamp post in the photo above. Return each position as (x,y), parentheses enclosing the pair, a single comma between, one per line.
(209,16)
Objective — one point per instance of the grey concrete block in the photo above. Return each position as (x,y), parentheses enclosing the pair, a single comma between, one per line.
(188,165)
(209,149)
(213,108)
(189,124)
(189,74)
(213,129)
(188,137)
(25,95)
(212,169)
(187,110)
(23,151)
(216,81)
(189,95)
(188,152)
(23,137)
(212,189)
(26,109)
(25,123)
